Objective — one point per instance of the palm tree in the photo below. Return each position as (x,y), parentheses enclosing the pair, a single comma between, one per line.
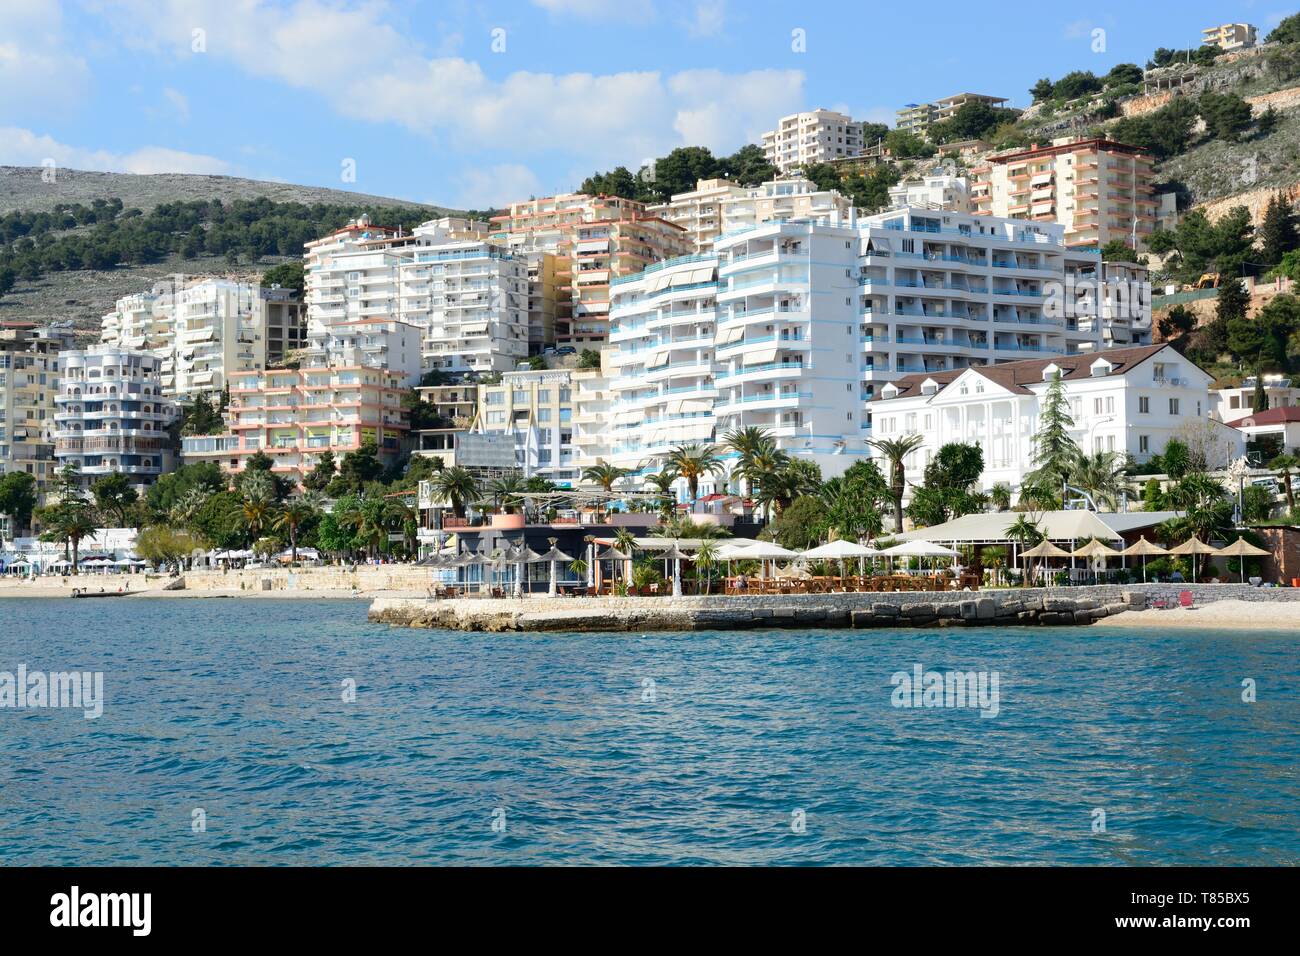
(625,541)
(606,475)
(257,514)
(403,518)
(896,451)
(1000,496)
(663,484)
(1024,531)
(454,485)
(693,462)
(508,491)
(368,521)
(1102,476)
(799,476)
(706,557)
(1286,464)
(753,444)
(295,513)
(69,522)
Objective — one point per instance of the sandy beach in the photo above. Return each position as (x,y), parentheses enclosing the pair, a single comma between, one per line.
(1225,615)
(44,589)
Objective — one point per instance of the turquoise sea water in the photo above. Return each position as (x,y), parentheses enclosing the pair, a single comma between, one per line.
(235,708)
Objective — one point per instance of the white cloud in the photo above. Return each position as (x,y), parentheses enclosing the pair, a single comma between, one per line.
(22,147)
(723,111)
(368,70)
(709,19)
(495,187)
(600,9)
(37,69)
(178,102)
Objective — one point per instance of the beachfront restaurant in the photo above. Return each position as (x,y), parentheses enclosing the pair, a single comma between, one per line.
(1067,531)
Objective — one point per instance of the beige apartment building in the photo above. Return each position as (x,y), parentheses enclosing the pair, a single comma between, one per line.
(293,415)
(539,410)
(594,239)
(717,206)
(1098,189)
(917,118)
(1229,36)
(818,136)
(29,375)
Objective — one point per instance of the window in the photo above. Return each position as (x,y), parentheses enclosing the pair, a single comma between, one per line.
(1173,406)
(1144,444)
(1144,404)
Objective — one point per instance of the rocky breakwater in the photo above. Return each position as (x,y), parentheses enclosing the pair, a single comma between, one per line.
(1047,606)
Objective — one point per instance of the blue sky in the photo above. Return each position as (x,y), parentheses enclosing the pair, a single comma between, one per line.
(467,103)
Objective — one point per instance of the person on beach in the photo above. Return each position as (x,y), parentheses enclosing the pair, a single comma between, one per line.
(742,583)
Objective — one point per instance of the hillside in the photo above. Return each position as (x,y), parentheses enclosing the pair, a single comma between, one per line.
(21,187)
(82,296)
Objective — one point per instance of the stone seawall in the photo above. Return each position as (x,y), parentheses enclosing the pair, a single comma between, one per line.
(1030,606)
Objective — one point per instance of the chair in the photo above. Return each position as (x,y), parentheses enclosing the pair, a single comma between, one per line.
(1185,598)
(1159,603)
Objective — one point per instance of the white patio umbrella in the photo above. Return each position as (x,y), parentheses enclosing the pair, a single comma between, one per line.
(839,550)
(918,549)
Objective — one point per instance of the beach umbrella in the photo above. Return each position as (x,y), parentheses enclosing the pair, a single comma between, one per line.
(839,550)
(475,559)
(522,556)
(552,556)
(1094,550)
(1243,549)
(1194,547)
(1045,549)
(614,555)
(673,553)
(1144,548)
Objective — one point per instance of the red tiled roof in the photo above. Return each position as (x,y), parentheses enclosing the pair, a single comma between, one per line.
(1274,416)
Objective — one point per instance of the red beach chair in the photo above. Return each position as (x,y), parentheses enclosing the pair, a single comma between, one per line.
(1185,598)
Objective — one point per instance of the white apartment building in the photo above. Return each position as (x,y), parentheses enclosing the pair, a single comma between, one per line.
(206,329)
(936,190)
(941,291)
(471,300)
(786,346)
(1230,404)
(817,136)
(661,360)
(371,343)
(111,415)
(1129,401)
(469,297)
